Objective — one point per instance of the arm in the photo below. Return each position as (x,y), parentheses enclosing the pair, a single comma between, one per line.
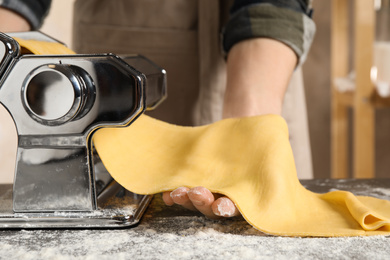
(258,74)
(12,22)
(22,15)
(265,42)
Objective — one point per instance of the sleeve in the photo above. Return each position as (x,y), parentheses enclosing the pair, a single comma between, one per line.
(288,21)
(34,11)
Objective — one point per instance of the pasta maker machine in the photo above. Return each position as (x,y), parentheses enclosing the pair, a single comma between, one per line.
(57,102)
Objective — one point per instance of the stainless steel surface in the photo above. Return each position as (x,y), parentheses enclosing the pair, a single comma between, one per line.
(156,82)
(8,51)
(117,208)
(57,103)
(55,93)
(59,149)
(33,35)
(119,95)
(3,51)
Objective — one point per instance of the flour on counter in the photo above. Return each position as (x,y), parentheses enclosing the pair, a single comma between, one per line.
(184,238)
(382,191)
(173,233)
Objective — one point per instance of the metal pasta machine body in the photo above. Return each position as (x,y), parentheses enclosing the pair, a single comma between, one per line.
(57,102)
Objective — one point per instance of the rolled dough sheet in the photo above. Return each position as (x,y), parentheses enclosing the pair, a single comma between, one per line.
(41,48)
(247,159)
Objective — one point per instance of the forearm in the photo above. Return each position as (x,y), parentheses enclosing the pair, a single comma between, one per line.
(23,15)
(12,22)
(259,71)
(265,40)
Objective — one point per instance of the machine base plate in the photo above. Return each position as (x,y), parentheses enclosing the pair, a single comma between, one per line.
(117,208)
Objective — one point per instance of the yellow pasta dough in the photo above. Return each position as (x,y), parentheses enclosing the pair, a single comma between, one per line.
(247,159)
(250,161)
(40,48)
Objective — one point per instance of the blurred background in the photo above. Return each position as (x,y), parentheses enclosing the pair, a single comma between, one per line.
(317,87)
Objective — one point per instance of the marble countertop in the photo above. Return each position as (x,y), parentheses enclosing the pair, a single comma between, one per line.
(176,233)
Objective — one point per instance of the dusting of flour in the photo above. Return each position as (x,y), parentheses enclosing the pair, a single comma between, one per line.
(184,237)
(171,233)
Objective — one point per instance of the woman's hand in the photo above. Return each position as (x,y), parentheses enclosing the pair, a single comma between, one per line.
(201,199)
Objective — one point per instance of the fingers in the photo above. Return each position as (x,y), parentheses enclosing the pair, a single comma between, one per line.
(201,199)
(224,207)
(180,196)
(166,196)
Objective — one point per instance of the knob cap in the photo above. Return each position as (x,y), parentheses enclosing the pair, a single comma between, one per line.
(56,93)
